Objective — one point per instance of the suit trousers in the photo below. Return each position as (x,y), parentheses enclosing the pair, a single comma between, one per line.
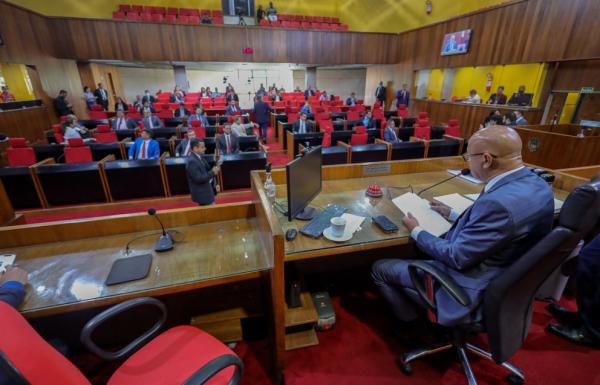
(264,127)
(393,281)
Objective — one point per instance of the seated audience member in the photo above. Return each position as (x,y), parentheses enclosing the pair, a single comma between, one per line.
(202,92)
(389,134)
(232,96)
(179,95)
(120,122)
(232,109)
(260,14)
(201,177)
(403,96)
(509,119)
(12,288)
(473,97)
(181,111)
(148,97)
(239,128)
(200,115)
(324,96)
(184,147)
(515,210)
(151,121)
(271,12)
(144,147)
(120,104)
(227,143)
(306,108)
(62,105)
(101,96)
(302,125)
(88,97)
(351,101)
(206,19)
(494,118)
(297,89)
(309,92)
(498,97)
(520,120)
(138,104)
(368,120)
(520,98)
(216,93)
(582,326)
(6,96)
(185,124)
(69,129)
(148,106)
(208,93)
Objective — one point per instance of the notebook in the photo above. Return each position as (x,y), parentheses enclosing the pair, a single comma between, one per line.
(429,220)
(456,201)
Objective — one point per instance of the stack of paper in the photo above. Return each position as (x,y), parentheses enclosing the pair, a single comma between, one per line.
(469,177)
(353,222)
(472,197)
(456,201)
(5,261)
(429,220)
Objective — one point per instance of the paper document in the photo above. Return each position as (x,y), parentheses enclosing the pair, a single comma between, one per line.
(428,219)
(456,201)
(558,204)
(353,222)
(472,197)
(6,260)
(469,177)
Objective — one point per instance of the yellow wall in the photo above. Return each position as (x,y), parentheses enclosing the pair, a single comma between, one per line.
(17,80)
(434,87)
(360,15)
(568,108)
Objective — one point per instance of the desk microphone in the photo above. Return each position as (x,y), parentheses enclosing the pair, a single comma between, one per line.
(165,242)
(464,171)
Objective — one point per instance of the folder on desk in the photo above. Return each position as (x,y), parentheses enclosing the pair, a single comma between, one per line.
(456,201)
(429,220)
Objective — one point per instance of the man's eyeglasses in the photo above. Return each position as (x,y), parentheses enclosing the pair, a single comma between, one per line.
(466,156)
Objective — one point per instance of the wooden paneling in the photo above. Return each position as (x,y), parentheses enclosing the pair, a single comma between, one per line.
(109,75)
(576,74)
(469,116)
(583,172)
(28,123)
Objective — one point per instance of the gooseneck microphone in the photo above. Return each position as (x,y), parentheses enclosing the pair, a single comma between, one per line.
(165,242)
(464,171)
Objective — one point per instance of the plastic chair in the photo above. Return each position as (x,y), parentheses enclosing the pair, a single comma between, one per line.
(77,152)
(19,154)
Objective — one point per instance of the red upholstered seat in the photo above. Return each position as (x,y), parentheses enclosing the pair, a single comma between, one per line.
(402,111)
(217,13)
(422,129)
(119,15)
(133,16)
(360,129)
(292,117)
(194,19)
(171,18)
(326,125)
(98,115)
(280,103)
(146,16)
(352,115)
(184,19)
(77,152)
(199,130)
(378,114)
(196,123)
(137,8)
(59,137)
(335,109)
(172,11)
(107,136)
(291,110)
(164,114)
(323,116)
(157,17)
(173,106)
(133,115)
(19,154)
(124,7)
(97,107)
(326,140)
(423,115)
(357,139)
(264,23)
(453,128)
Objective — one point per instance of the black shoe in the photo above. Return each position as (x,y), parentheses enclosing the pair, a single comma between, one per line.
(578,335)
(563,315)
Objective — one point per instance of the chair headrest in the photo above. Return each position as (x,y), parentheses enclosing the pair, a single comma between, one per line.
(422,115)
(103,128)
(75,142)
(402,107)
(17,142)
(422,122)
(581,210)
(452,122)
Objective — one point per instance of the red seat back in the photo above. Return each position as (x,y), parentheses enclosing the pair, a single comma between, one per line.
(171,18)
(157,17)
(423,115)
(98,115)
(322,116)
(422,130)
(360,129)
(103,128)
(77,152)
(378,114)
(97,107)
(200,131)
(358,139)
(164,114)
(352,115)
(326,125)
(106,137)
(402,111)
(133,115)
(326,140)
(453,128)
(292,117)
(19,154)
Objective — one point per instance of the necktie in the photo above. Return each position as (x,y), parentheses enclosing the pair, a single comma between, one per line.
(143,151)
(187,148)
(119,123)
(228,144)
(150,120)
(302,128)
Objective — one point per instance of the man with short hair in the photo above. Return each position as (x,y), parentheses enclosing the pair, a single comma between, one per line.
(368,120)
(201,177)
(351,101)
(380,93)
(262,112)
(184,147)
(520,119)
(101,96)
(498,97)
(62,105)
(389,134)
(473,98)
(120,122)
(239,128)
(520,98)
(151,121)
(302,125)
(227,143)
(148,97)
(514,211)
(233,109)
(144,147)
(403,96)
(181,111)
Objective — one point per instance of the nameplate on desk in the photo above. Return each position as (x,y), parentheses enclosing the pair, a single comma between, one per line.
(123,164)
(377,169)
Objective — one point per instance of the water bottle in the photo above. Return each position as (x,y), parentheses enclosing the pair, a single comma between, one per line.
(269,185)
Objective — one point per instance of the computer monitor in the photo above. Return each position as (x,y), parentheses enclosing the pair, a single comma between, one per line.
(303,183)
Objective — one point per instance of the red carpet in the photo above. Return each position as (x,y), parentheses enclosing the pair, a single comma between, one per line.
(277,159)
(361,350)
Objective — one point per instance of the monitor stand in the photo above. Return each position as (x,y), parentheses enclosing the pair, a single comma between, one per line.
(307,214)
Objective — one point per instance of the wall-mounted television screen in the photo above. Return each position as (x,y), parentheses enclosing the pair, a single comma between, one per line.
(456,43)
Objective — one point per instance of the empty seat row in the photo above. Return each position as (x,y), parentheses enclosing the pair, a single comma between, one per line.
(169,10)
(159,18)
(310,19)
(304,25)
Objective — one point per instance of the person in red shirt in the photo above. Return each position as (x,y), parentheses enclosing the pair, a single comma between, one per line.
(6,96)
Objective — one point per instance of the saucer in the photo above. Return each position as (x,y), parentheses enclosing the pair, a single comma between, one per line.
(328,233)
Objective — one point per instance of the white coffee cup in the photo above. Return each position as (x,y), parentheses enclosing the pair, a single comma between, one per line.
(338,225)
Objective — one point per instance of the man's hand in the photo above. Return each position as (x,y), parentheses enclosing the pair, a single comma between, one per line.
(216,169)
(14,273)
(410,222)
(441,208)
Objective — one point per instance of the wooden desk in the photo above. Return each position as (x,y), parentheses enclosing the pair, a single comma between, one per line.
(29,123)
(586,173)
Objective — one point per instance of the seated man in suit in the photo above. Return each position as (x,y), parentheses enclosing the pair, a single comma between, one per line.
(351,101)
(520,98)
(148,97)
(12,287)
(519,119)
(302,125)
(201,177)
(150,121)
(181,111)
(368,120)
(227,143)
(144,147)
(306,108)
(233,109)
(514,211)
(184,147)
(200,115)
(498,97)
(120,122)
(389,134)
(239,128)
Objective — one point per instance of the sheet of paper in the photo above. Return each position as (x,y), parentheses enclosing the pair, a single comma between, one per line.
(472,197)
(6,260)
(456,201)
(428,219)
(469,177)
(558,204)
(353,222)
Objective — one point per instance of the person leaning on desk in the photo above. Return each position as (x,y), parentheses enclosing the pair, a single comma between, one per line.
(12,292)
(514,211)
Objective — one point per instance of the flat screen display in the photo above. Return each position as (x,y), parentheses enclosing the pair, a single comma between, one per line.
(303,181)
(456,43)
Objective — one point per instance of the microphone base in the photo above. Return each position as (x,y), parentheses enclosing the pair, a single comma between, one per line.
(164,243)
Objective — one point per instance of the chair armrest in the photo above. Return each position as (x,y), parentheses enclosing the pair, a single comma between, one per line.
(343,144)
(379,141)
(205,373)
(453,137)
(45,161)
(107,158)
(441,277)
(92,325)
(415,139)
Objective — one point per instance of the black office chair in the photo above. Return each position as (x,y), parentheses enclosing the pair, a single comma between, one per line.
(507,306)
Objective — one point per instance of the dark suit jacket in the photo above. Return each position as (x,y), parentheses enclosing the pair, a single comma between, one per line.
(233,97)
(131,124)
(149,98)
(199,174)
(180,149)
(221,144)
(588,288)
(12,293)
(309,126)
(99,100)
(370,123)
(178,112)
(402,98)
(124,107)
(495,99)
(520,99)
(380,93)
(308,93)
(261,112)
(231,109)
(60,104)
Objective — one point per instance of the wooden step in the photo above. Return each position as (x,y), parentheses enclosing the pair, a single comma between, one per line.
(301,339)
(225,315)
(306,314)
(224,331)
